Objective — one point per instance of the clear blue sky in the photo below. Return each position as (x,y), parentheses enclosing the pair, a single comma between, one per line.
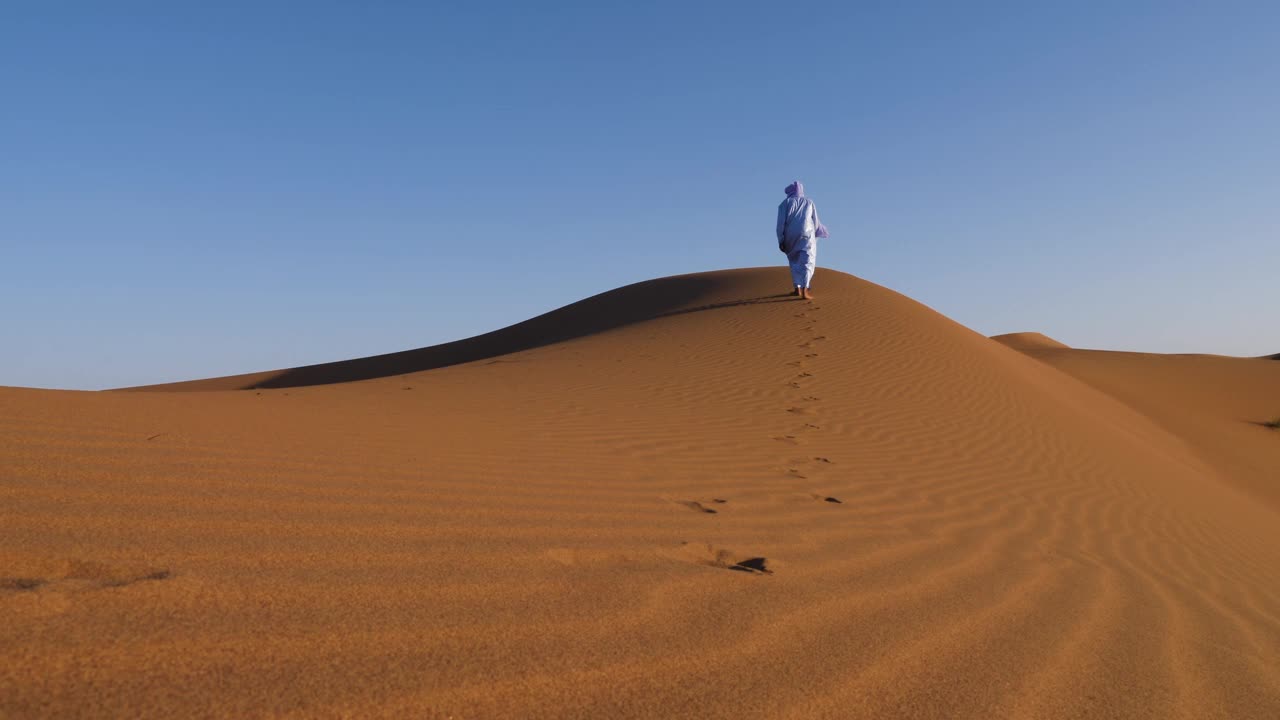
(193,189)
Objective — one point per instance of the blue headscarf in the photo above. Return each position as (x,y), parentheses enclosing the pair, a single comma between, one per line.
(796,189)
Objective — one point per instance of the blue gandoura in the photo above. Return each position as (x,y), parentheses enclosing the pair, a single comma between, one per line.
(798,233)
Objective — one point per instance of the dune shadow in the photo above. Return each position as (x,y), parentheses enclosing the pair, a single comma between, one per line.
(764,300)
(649,300)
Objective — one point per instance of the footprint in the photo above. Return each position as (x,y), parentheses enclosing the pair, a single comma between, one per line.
(812,355)
(705,554)
(793,472)
(823,460)
(794,385)
(157,575)
(788,439)
(810,398)
(699,507)
(798,411)
(752,565)
(805,374)
(812,426)
(826,498)
(83,575)
(21,583)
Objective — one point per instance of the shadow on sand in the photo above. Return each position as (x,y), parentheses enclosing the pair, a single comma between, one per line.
(648,300)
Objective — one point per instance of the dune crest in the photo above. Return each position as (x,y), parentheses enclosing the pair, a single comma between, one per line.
(692,497)
(1029,341)
(624,306)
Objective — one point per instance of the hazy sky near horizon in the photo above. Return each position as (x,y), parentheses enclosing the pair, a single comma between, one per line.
(199,189)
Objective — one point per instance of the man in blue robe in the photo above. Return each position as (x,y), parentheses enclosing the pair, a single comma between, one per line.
(798,233)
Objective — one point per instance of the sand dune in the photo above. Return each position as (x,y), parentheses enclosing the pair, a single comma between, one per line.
(692,497)
(618,308)
(1028,341)
(1218,405)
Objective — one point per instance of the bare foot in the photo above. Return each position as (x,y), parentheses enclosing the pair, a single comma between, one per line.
(796,292)
(808,294)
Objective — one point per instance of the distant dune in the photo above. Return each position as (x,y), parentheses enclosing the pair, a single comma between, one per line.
(1029,341)
(693,497)
(1212,402)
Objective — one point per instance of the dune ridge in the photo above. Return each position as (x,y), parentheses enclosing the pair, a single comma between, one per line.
(617,308)
(1214,403)
(1029,341)
(707,500)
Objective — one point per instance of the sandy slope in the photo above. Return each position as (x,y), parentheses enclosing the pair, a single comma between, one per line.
(1218,405)
(529,534)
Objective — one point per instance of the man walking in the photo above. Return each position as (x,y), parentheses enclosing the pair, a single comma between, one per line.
(798,233)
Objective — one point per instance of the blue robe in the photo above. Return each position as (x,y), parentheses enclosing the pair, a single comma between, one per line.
(798,233)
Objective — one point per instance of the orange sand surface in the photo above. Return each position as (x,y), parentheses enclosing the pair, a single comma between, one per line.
(693,497)
(1029,341)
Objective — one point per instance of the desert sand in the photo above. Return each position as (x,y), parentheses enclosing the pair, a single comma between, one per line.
(693,497)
